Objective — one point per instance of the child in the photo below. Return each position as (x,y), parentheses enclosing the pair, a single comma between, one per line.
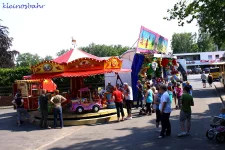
(185,112)
(222,115)
(179,93)
(170,91)
(149,99)
(174,87)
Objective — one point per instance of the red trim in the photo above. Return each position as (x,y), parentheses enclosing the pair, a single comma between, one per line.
(77,74)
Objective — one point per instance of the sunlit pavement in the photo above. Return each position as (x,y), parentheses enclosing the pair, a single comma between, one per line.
(138,133)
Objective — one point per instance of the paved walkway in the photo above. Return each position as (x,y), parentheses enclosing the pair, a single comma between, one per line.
(138,133)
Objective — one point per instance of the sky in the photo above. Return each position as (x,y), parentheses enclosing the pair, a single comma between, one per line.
(47,30)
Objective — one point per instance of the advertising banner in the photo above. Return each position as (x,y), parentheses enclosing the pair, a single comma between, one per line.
(150,42)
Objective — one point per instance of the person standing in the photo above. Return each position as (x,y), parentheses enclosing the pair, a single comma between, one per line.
(118,99)
(179,92)
(190,87)
(157,98)
(149,100)
(210,79)
(57,100)
(43,101)
(109,87)
(203,77)
(175,93)
(129,99)
(165,110)
(140,94)
(185,113)
(18,102)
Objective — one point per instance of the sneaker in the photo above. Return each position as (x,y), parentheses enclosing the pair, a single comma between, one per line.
(158,130)
(188,134)
(48,127)
(129,118)
(182,134)
(160,137)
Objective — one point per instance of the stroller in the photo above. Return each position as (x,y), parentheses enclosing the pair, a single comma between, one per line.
(144,108)
(217,130)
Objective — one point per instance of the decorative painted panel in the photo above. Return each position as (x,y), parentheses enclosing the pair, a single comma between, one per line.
(84,64)
(47,67)
(113,63)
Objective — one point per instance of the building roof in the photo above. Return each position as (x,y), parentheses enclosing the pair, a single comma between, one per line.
(184,54)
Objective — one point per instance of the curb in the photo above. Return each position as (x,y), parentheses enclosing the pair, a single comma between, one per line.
(6,107)
(218,93)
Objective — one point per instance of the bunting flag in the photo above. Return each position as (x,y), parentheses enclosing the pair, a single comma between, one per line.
(74,41)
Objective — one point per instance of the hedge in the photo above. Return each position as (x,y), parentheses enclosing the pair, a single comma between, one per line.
(8,76)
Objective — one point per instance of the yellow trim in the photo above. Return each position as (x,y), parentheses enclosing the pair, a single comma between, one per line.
(99,119)
(20,81)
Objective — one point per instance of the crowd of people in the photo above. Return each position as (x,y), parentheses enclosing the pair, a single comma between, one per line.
(157,99)
(151,97)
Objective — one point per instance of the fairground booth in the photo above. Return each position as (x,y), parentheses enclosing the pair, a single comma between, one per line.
(77,65)
(151,63)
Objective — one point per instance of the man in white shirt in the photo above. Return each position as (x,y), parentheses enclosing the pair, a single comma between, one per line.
(128,93)
(165,109)
(203,77)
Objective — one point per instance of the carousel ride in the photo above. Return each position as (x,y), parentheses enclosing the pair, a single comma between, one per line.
(84,105)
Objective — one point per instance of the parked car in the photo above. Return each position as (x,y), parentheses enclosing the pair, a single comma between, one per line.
(197,70)
(189,71)
(207,70)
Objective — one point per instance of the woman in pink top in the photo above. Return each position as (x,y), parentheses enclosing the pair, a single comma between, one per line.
(179,92)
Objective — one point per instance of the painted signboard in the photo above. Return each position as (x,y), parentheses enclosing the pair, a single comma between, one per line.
(150,42)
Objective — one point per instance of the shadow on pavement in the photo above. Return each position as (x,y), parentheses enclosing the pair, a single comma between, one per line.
(146,138)
(8,122)
(208,92)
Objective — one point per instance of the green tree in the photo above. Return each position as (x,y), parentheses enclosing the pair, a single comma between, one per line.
(28,59)
(48,57)
(9,75)
(184,43)
(209,14)
(61,52)
(6,56)
(105,50)
(205,43)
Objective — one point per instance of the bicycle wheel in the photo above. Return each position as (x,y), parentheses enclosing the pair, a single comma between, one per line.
(210,134)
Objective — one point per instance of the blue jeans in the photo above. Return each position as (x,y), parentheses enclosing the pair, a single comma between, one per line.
(58,111)
(21,111)
(140,99)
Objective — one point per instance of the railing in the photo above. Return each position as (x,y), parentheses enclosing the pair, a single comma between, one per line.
(6,91)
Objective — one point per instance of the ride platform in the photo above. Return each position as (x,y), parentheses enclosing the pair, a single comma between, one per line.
(74,119)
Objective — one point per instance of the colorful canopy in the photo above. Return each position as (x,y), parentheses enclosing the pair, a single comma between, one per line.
(76,63)
(78,74)
(74,54)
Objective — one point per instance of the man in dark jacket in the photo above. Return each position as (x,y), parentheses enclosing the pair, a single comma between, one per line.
(43,101)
